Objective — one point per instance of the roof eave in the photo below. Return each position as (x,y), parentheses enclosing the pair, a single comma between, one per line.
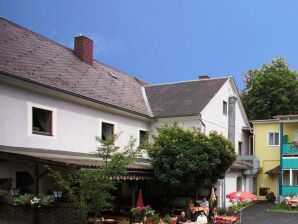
(10,75)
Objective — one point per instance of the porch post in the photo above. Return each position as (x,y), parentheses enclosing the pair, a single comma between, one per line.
(281,127)
(36,180)
(133,198)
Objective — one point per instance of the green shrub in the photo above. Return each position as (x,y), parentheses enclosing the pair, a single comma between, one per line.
(24,199)
(2,193)
(221,211)
(46,200)
(168,219)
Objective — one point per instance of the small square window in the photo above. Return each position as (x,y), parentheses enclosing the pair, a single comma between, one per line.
(107,130)
(143,137)
(225,108)
(41,121)
(273,138)
(263,191)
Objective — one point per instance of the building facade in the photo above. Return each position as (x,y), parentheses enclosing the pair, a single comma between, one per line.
(275,146)
(55,100)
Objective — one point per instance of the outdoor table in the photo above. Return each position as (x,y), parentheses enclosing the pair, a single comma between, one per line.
(292,202)
(202,208)
(226,219)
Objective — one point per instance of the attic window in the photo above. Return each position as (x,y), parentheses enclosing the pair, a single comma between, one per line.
(112,75)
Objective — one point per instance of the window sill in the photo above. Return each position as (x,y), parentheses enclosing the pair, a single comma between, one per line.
(42,133)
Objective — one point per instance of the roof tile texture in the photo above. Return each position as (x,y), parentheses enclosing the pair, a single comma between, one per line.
(28,55)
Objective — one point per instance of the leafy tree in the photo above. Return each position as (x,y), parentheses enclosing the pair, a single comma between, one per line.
(185,159)
(271,90)
(90,189)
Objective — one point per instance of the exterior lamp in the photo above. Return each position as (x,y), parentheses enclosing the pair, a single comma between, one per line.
(57,194)
(14,192)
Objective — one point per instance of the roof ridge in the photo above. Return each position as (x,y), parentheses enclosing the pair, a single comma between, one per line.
(195,80)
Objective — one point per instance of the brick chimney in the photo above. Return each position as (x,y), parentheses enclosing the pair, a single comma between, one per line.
(202,77)
(83,49)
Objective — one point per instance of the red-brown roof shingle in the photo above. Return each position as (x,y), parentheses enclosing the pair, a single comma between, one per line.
(30,56)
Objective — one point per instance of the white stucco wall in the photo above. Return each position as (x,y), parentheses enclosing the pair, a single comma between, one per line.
(185,122)
(215,120)
(75,125)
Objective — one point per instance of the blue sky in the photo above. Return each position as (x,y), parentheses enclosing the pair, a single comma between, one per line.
(170,40)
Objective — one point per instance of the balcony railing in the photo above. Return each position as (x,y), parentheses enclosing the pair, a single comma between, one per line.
(290,148)
(289,190)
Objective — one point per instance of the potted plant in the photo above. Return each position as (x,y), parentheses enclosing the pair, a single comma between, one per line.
(271,197)
(138,214)
(153,219)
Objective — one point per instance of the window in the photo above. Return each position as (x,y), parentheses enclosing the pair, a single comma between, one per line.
(41,121)
(107,130)
(239,148)
(251,143)
(263,191)
(225,108)
(239,183)
(24,180)
(286,177)
(273,138)
(143,137)
(295,177)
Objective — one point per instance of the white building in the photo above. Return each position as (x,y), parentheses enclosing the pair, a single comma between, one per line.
(55,100)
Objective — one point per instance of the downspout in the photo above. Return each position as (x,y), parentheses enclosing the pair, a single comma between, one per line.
(280,149)
(204,126)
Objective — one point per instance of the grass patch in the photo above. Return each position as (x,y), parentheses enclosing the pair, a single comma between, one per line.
(282,208)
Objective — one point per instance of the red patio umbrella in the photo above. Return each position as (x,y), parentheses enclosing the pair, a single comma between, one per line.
(242,196)
(140,200)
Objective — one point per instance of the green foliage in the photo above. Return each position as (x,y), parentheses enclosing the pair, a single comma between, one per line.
(2,193)
(46,200)
(221,211)
(24,199)
(31,200)
(90,189)
(168,219)
(154,218)
(183,159)
(271,90)
(270,197)
(282,207)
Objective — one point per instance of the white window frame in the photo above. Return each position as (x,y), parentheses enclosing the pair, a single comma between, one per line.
(290,177)
(268,138)
(139,136)
(106,121)
(225,114)
(30,106)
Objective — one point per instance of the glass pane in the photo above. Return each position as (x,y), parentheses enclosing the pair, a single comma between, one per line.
(295,177)
(286,177)
(270,138)
(276,140)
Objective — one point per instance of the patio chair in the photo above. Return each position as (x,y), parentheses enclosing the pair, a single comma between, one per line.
(218,220)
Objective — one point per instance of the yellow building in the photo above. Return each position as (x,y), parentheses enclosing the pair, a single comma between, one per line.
(275,140)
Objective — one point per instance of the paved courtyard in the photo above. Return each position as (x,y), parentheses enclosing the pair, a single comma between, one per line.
(258,214)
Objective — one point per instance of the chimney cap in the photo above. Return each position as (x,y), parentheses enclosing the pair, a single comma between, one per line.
(202,77)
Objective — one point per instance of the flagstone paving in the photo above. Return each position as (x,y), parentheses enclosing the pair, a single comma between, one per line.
(258,214)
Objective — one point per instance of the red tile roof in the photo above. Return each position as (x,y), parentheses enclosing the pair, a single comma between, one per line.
(29,56)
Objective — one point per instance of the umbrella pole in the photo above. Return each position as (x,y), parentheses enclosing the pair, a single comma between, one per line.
(240,211)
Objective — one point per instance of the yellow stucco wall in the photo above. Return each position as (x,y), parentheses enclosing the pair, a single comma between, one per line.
(269,156)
